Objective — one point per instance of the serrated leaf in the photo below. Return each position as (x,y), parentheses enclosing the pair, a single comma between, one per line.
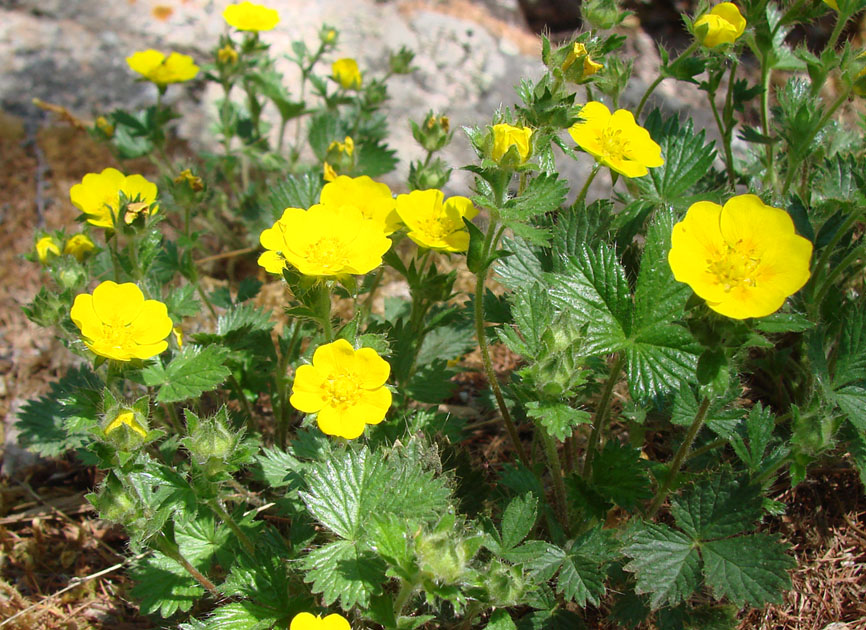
(558,419)
(555,619)
(264,577)
(850,362)
(345,492)
(665,562)
(659,360)
(278,469)
(533,314)
(446,342)
(374,159)
(687,159)
(717,507)
(191,373)
(200,539)
(856,439)
(719,418)
(852,402)
(500,620)
(342,570)
(296,191)
(619,474)
(431,383)
(240,616)
(518,519)
(584,568)
(594,290)
(581,226)
(56,421)
(748,570)
(759,426)
(162,586)
(784,322)
(243,319)
(525,267)
(182,303)
(545,193)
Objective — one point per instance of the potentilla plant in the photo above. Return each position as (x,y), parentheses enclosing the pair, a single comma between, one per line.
(683,342)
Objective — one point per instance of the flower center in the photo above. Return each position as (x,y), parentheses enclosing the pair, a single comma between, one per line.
(117,335)
(736,267)
(326,253)
(343,390)
(434,228)
(614,143)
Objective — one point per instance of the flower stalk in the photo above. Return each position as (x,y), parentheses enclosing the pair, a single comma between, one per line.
(602,413)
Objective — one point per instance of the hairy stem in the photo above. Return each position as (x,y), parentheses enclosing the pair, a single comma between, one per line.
(555,466)
(223,514)
(601,413)
(171,550)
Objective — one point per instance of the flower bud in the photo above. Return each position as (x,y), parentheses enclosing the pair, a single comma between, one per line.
(400,62)
(125,429)
(504,584)
(328,35)
(601,14)
(340,157)
(72,276)
(227,55)
(345,72)
(113,502)
(105,127)
(578,66)
(47,249)
(194,182)
(723,25)
(79,246)
(210,441)
(510,146)
(434,133)
(441,555)
(434,175)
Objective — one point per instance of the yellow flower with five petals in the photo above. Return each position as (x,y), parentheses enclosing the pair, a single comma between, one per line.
(157,68)
(248,16)
(743,258)
(346,388)
(98,195)
(434,222)
(324,241)
(116,322)
(616,140)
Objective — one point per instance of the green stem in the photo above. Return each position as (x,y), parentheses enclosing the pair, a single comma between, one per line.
(661,77)
(206,300)
(680,456)
(481,335)
(233,382)
(555,467)
(172,417)
(171,550)
(729,160)
(841,21)
(582,194)
(601,413)
(223,514)
(827,282)
(769,153)
(728,117)
(772,470)
(403,595)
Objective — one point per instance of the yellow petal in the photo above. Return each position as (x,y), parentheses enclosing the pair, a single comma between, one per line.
(334,421)
(307,392)
(334,357)
(83,315)
(305,621)
(371,369)
(117,303)
(272,262)
(335,622)
(152,324)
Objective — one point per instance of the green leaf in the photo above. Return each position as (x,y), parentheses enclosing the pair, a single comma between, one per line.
(584,568)
(687,158)
(162,586)
(555,619)
(852,401)
(46,423)
(190,374)
(347,491)
(856,439)
(659,360)
(748,570)
(296,191)
(447,343)
(278,469)
(851,352)
(375,159)
(182,303)
(619,474)
(580,226)
(432,383)
(665,562)
(264,576)
(518,519)
(500,620)
(717,507)
(199,539)
(533,315)
(558,419)
(545,193)
(342,570)
(759,427)
(784,322)
(241,616)
(593,289)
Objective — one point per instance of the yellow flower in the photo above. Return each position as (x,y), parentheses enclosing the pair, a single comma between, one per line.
(79,246)
(193,181)
(324,241)
(126,418)
(373,199)
(227,55)
(744,258)
(724,25)
(116,322)
(46,247)
(347,146)
(506,136)
(616,140)
(308,621)
(345,72)
(98,195)
(579,51)
(328,172)
(247,16)
(435,223)
(157,68)
(345,387)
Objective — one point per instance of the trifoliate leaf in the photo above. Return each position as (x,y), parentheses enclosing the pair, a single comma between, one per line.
(717,507)
(784,322)
(558,419)
(748,570)
(191,373)
(343,570)
(665,562)
(162,586)
(687,157)
(46,423)
(518,519)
